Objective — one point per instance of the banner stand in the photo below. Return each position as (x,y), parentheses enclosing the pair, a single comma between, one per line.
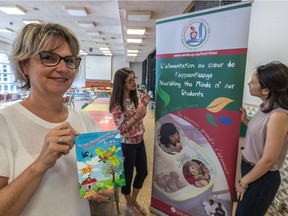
(200,70)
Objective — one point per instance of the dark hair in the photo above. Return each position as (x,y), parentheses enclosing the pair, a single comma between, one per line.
(274,76)
(167,130)
(117,95)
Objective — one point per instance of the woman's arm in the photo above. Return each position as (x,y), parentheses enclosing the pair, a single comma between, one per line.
(244,118)
(17,194)
(119,117)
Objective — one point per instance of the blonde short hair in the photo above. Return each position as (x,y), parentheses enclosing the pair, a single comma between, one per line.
(32,39)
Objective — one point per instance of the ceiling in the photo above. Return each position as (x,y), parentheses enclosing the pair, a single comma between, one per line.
(108,16)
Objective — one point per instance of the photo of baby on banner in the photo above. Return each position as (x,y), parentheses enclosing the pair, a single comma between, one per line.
(170,139)
(196,173)
(185,178)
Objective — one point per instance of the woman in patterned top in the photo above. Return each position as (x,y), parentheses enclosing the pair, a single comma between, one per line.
(128,111)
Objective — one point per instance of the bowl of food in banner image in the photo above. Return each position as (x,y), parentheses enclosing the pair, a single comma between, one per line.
(184,175)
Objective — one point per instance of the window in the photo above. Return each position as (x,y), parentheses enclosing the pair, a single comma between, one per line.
(6,76)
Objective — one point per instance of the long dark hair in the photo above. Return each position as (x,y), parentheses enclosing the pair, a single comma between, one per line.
(117,95)
(274,76)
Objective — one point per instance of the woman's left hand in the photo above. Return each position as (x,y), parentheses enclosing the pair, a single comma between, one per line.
(240,190)
(145,99)
(102,195)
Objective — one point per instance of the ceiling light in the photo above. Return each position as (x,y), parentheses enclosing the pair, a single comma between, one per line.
(93,33)
(132,51)
(77,11)
(133,40)
(104,48)
(131,54)
(86,24)
(108,54)
(6,30)
(139,16)
(136,31)
(82,52)
(13,10)
(32,21)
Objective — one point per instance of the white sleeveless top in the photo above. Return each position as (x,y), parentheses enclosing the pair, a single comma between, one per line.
(256,136)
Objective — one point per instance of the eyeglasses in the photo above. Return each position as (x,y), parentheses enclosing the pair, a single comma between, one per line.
(132,80)
(50,59)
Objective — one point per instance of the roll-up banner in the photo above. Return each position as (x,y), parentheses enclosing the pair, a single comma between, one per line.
(200,69)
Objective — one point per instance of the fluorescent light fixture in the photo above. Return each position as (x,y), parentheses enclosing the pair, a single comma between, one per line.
(136,31)
(86,24)
(108,54)
(104,48)
(16,10)
(6,30)
(131,54)
(132,51)
(138,16)
(93,33)
(133,40)
(77,11)
(32,21)
(82,52)
(106,51)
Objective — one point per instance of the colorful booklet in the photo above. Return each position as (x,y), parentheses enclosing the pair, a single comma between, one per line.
(99,162)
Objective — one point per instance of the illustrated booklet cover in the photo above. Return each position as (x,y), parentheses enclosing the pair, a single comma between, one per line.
(99,161)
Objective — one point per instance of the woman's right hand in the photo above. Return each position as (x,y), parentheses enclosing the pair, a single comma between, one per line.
(59,141)
(140,111)
(244,118)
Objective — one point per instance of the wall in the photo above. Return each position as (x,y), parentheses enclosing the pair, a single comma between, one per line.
(137,68)
(117,62)
(267,38)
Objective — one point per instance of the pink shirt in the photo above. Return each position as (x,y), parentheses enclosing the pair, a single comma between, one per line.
(133,134)
(255,139)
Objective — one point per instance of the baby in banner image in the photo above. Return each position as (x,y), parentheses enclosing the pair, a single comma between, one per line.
(196,173)
(169,138)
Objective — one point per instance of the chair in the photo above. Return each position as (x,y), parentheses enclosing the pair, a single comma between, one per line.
(68,100)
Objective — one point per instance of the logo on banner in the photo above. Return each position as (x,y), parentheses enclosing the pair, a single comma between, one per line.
(195,34)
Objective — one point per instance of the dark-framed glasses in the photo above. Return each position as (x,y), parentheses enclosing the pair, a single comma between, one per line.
(51,59)
(132,80)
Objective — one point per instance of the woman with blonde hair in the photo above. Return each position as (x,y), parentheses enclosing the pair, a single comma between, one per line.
(38,172)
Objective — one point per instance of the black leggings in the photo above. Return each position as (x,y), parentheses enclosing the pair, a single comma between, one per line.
(134,155)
